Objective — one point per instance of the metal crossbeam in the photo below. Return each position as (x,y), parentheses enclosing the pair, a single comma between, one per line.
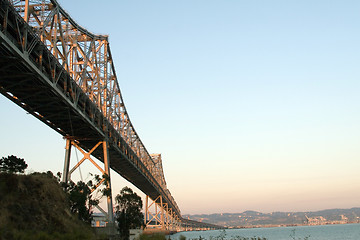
(104,171)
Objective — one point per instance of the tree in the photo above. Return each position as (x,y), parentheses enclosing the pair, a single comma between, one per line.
(12,164)
(81,195)
(128,211)
(80,199)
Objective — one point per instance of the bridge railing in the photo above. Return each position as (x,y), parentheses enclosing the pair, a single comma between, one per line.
(87,58)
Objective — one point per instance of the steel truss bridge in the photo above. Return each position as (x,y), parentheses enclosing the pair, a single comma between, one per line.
(65,76)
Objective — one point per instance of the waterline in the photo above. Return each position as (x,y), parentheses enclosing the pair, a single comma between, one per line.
(324,232)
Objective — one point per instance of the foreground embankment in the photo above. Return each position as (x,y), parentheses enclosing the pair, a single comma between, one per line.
(35,207)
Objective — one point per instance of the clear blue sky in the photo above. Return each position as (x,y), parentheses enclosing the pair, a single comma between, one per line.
(254,105)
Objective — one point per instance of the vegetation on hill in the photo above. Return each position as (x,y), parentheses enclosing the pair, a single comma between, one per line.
(40,206)
(36,207)
(12,164)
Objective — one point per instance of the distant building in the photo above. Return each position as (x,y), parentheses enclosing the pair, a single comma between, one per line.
(99,220)
(320,220)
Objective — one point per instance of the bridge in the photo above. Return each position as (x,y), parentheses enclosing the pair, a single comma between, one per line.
(64,76)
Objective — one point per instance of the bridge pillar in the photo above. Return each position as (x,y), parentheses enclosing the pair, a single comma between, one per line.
(146,210)
(67,161)
(158,216)
(105,172)
(154,214)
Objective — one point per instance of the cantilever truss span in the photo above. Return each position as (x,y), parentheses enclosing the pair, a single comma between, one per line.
(64,75)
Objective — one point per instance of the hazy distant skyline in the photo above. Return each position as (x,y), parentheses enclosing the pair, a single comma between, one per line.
(254,105)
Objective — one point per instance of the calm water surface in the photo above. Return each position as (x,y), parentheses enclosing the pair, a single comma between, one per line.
(326,232)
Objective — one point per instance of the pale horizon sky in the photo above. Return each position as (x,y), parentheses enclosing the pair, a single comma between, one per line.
(254,105)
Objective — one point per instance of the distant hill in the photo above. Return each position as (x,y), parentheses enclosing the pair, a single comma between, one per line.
(258,219)
(35,207)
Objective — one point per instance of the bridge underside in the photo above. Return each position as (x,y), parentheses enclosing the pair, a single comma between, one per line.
(41,99)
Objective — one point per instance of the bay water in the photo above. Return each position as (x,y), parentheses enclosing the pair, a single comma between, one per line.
(323,232)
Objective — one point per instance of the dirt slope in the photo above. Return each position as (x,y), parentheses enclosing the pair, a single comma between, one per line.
(35,207)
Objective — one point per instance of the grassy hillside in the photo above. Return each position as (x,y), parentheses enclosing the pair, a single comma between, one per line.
(35,207)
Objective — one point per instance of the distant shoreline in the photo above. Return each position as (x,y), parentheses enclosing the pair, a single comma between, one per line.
(253,219)
(289,225)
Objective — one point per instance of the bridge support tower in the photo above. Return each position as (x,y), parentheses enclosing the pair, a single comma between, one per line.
(159,217)
(105,171)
